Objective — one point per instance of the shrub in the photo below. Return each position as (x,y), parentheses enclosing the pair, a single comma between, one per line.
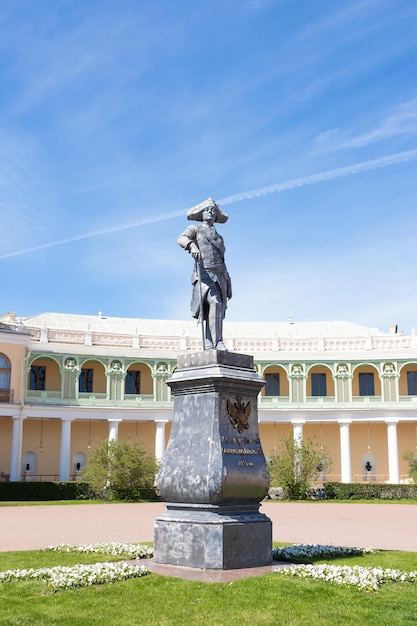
(122,470)
(412,464)
(295,465)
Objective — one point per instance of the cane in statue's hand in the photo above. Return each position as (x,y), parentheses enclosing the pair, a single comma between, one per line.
(201,316)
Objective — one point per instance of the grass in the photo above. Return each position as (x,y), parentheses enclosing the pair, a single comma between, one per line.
(265,600)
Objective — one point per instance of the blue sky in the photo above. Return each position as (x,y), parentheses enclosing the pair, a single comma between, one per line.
(298,117)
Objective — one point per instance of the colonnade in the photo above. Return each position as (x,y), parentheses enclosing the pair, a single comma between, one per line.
(160,443)
(345,454)
(65,444)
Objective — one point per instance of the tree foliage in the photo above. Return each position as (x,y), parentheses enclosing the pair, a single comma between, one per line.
(295,464)
(122,470)
(411,457)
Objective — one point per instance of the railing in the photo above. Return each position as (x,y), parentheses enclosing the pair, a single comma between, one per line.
(90,398)
(6,395)
(89,395)
(143,397)
(408,399)
(42,394)
(86,398)
(240,344)
(274,399)
(361,478)
(27,477)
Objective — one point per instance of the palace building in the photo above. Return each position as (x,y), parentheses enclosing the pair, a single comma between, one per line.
(68,382)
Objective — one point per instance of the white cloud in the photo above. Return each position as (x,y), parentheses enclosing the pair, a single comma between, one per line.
(26,200)
(399,120)
(329,175)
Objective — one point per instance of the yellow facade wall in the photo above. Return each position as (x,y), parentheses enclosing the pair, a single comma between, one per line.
(271,434)
(407,442)
(47,458)
(5,443)
(328,436)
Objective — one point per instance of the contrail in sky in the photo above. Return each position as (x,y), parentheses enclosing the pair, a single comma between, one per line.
(393,159)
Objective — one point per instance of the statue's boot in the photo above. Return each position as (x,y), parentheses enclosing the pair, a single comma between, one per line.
(215,332)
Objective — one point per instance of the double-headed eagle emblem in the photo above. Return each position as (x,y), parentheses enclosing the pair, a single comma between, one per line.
(239,413)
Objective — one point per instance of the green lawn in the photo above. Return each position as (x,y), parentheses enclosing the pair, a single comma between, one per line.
(157,600)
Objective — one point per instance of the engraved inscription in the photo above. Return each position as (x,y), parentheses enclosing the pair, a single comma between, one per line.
(240,451)
(240,440)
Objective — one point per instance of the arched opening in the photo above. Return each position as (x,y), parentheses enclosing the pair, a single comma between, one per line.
(368,467)
(366,383)
(79,461)
(29,465)
(276,382)
(6,394)
(320,382)
(138,381)
(407,383)
(44,378)
(92,380)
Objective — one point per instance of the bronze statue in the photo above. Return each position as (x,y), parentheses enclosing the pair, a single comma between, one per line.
(211,282)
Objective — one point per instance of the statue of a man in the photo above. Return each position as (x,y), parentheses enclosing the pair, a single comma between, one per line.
(211,282)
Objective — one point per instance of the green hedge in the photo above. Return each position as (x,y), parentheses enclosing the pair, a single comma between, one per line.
(28,491)
(369,491)
(33,491)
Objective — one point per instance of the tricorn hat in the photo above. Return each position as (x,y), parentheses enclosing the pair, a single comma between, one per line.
(196,212)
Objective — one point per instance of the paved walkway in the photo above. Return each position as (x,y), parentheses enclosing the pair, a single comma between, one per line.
(383,526)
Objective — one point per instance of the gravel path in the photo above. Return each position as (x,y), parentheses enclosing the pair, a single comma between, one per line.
(383,526)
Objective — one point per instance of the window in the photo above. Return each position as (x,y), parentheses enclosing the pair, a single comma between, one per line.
(37,378)
(412,383)
(132,382)
(366,384)
(85,382)
(272,384)
(6,395)
(318,385)
(4,372)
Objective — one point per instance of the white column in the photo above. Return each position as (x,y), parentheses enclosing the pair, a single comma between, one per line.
(16,451)
(346,471)
(114,429)
(64,459)
(298,431)
(393,466)
(160,440)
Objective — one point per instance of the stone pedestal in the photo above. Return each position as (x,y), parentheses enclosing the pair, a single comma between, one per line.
(214,473)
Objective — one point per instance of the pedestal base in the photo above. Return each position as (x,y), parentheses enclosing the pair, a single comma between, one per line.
(213,537)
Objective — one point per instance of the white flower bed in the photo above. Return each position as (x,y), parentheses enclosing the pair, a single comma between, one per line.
(306,551)
(125,550)
(61,577)
(77,576)
(365,578)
